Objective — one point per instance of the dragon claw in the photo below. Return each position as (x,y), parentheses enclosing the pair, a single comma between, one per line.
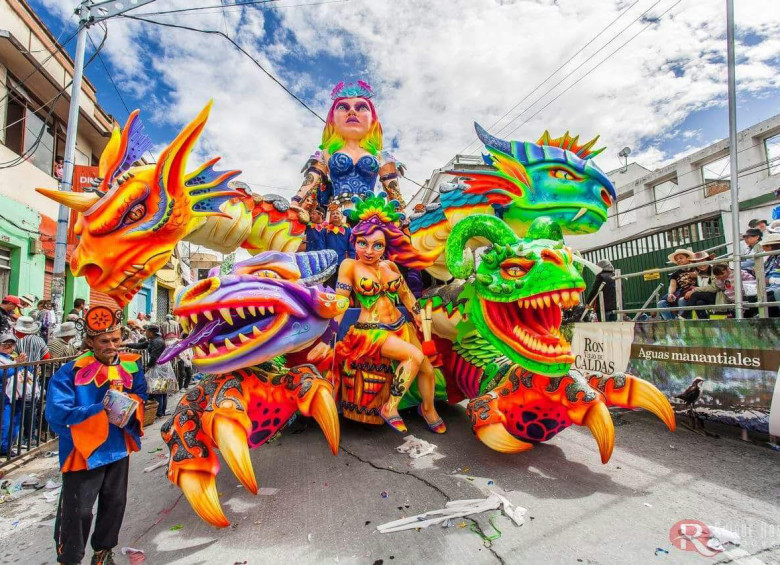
(599,422)
(645,395)
(323,410)
(200,489)
(231,439)
(496,437)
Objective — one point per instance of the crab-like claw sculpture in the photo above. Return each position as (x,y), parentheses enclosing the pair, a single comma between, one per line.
(509,355)
(239,326)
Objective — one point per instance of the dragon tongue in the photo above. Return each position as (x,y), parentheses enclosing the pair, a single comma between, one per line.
(194,338)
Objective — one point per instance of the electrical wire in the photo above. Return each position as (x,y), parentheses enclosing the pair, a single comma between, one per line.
(237,46)
(569,60)
(198,8)
(40,65)
(594,68)
(34,147)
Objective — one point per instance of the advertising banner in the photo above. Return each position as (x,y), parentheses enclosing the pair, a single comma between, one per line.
(82,179)
(739,361)
(604,347)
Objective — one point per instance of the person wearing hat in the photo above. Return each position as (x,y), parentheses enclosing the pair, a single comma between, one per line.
(605,281)
(45,317)
(315,236)
(62,344)
(28,301)
(35,349)
(680,282)
(758,224)
(94,453)
(13,394)
(155,345)
(752,239)
(9,304)
(771,242)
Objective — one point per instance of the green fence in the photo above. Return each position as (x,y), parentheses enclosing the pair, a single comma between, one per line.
(651,252)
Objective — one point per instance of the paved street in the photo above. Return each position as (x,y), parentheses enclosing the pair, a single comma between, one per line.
(327,508)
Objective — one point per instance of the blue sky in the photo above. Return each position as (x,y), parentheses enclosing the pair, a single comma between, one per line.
(436,67)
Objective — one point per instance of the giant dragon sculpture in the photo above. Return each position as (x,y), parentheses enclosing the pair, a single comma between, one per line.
(130,224)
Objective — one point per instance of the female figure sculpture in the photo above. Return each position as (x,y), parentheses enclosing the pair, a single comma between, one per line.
(350,157)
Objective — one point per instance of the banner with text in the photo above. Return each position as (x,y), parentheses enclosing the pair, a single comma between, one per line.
(603,346)
(738,360)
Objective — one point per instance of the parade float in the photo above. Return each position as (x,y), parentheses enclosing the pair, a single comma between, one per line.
(266,331)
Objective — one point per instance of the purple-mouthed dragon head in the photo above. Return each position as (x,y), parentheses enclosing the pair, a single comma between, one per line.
(269,305)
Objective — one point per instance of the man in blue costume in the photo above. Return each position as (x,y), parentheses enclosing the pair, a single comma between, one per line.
(315,236)
(94,452)
(336,234)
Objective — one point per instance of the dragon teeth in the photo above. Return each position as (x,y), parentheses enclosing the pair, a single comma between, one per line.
(261,309)
(547,300)
(556,297)
(194,318)
(229,344)
(255,331)
(579,214)
(212,348)
(225,312)
(209,316)
(252,310)
(270,309)
(240,312)
(243,338)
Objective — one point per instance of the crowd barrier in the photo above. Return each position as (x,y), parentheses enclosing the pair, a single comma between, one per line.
(739,361)
(23,425)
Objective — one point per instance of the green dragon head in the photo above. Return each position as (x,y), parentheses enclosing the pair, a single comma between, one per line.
(519,289)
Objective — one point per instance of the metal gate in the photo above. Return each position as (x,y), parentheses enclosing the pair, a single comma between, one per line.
(163,303)
(651,252)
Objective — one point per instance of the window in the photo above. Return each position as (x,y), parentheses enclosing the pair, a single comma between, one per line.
(716,176)
(626,214)
(772,145)
(666,197)
(29,130)
(711,228)
(679,236)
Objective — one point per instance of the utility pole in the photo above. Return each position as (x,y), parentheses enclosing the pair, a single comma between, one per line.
(733,155)
(89,13)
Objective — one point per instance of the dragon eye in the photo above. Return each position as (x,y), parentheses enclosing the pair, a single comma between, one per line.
(135,214)
(516,268)
(563,174)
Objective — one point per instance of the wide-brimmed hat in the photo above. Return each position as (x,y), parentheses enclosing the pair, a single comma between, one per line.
(7,336)
(703,256)
(771,239)
(67,329)
(28,299)
(687,252)
(752,232)
(26,325)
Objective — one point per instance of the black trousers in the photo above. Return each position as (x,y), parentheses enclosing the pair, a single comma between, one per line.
(702,299)
(185,376)
(107,484)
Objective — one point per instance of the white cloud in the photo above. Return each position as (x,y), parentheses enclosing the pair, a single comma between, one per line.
(436,67)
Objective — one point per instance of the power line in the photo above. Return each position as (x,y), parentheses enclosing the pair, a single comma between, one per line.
(593,69)
(34,147)
(237,46)
(580,50)
(230,7)
(198,8)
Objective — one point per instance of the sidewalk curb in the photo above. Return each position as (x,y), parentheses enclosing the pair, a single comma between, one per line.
(14,465)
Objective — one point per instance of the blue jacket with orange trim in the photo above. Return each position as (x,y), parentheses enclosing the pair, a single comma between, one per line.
(74,409)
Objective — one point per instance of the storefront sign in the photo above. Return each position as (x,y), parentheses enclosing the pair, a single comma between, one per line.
(82,179)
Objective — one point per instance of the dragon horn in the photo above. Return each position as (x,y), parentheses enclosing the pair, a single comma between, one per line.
(460,259)
(491,141)
(79,201)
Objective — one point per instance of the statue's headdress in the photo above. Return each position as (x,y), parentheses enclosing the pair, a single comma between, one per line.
(375,209)
(351,90)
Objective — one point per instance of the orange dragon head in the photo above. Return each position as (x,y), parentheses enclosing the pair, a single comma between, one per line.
(129,226)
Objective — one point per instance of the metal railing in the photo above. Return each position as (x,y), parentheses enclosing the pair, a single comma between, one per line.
(762,304)
(23,426)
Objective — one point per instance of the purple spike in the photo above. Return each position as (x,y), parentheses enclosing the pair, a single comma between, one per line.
(137,144)
(490,141)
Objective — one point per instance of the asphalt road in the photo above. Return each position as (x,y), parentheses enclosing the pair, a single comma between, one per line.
(327,508)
